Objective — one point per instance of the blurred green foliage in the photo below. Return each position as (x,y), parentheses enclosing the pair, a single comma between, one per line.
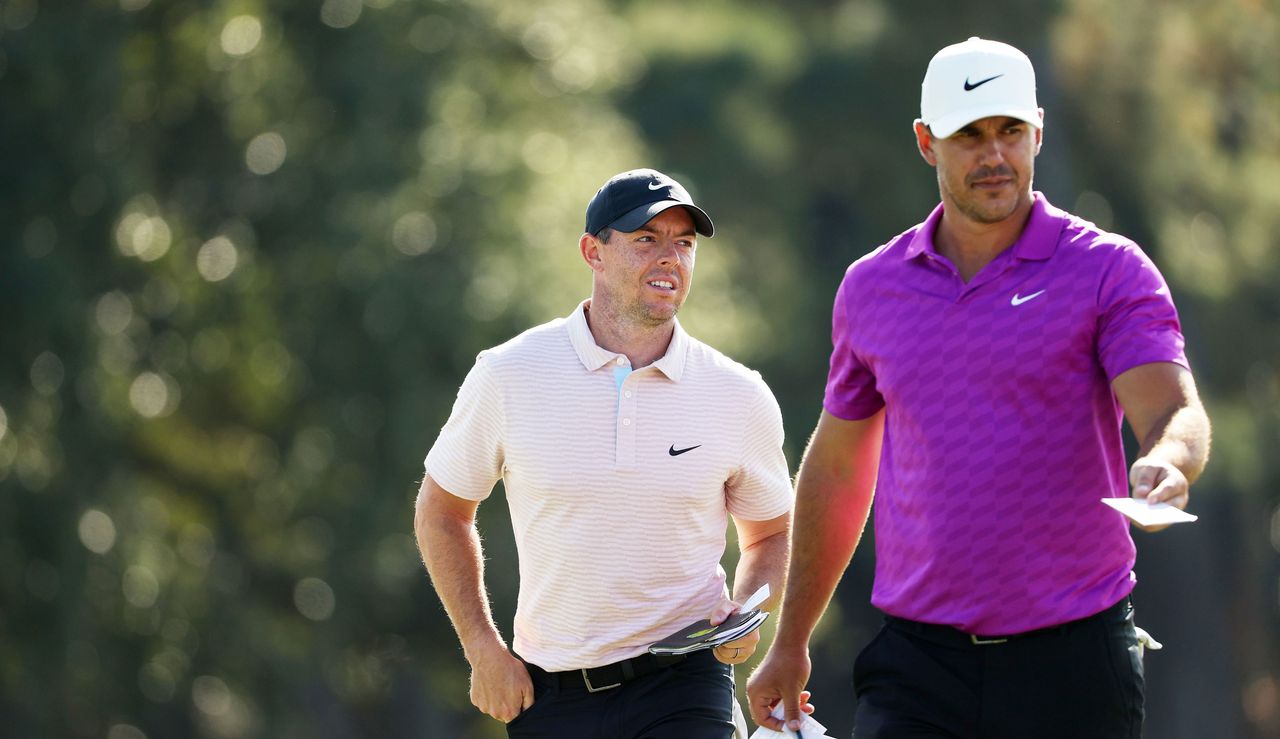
(250,248)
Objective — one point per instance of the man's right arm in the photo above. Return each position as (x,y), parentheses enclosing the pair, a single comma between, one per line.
(834,488)
(450,545)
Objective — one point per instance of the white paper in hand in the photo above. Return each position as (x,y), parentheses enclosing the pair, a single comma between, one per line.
(756,599)
(809,729)
(1149,514)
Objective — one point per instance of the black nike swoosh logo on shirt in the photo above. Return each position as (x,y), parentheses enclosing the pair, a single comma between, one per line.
(677,452)
(979,83)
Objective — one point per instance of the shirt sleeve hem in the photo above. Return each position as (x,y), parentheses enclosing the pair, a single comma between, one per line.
(1138,360)
(852,411)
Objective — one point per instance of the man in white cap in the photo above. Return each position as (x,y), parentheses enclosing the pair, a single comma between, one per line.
(983,361)
(625,447)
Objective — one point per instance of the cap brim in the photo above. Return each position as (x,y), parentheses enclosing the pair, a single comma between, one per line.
(637,217)
(950,123)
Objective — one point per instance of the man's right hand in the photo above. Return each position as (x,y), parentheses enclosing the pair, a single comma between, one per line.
(500,684)
(781,677)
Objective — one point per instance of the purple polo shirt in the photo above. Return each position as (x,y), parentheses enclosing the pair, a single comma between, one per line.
(1001,428)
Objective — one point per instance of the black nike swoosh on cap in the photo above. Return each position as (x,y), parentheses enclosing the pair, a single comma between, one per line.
(979,83)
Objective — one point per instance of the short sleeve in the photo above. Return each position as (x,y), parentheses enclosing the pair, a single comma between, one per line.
(467,457)
(1138,323)
(851,387)
(760,489)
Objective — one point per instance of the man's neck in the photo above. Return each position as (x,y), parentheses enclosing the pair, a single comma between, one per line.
(971,245)
(643,345)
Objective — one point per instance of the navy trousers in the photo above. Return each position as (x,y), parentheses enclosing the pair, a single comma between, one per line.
(1081,680)
(692,699)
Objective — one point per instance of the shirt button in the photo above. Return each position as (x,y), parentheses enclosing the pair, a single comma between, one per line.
(627,394)
(619,360)
(626,422)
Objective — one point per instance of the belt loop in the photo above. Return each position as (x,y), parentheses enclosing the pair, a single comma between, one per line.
(628,672)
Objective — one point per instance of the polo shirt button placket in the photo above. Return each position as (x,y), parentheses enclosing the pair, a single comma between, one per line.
(626,446)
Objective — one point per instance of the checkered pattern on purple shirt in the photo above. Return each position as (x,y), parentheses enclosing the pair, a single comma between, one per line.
(1002,431)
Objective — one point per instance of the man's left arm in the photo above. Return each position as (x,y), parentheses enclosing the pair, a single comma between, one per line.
(763,547)
(1164,410)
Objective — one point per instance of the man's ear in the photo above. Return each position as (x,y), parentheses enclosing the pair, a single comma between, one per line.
(924,142)
(589,245)
(1040,131)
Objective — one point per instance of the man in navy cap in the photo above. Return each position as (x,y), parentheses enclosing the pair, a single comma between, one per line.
(625,446)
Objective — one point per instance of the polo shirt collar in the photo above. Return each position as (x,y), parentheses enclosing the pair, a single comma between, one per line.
(1038,241)
(593,356)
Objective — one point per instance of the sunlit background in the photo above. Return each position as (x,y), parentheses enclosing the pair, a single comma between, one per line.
(249,248)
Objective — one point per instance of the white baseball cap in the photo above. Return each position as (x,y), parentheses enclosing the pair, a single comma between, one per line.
(977,79)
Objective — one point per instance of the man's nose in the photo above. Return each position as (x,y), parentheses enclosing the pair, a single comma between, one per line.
(992,151)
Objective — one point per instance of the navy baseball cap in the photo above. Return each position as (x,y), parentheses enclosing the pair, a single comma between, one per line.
(628,200)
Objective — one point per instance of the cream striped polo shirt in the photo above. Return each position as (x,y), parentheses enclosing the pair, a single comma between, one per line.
(620,482)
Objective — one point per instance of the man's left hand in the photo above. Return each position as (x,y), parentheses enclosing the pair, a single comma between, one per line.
(739,650)
(1156,481)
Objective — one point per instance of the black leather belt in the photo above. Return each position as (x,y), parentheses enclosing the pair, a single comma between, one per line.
(955,637)
(604,677)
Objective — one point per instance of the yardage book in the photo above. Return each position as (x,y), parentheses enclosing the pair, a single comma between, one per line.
(702,635)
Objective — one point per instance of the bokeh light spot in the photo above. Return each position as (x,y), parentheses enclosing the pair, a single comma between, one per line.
(97,531)
(156,682)
(113,312)
(414,233)
(314,598)
(265,153)
(545,40)
(270,363)
(1261,699)
(152,396)
(140,587)
(241,35)
(125,731)
(1275,514)
(47,373)
(211,695)
(196,544)
(146,237)
(1094,207)
(18,14)
(340,13)
(217,259)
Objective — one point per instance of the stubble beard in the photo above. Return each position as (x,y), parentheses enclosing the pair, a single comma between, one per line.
(646,316)
(976,208)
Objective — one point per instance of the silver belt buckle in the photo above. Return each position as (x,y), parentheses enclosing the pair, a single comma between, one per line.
(980,641)
(593,689)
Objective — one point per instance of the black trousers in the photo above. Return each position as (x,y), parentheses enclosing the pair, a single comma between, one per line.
(1081,680)
(692,699)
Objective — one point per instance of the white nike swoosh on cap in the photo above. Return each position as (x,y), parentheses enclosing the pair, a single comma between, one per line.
(656,185)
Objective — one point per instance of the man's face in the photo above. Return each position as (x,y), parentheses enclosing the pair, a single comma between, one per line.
(645,275)
(985,169)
